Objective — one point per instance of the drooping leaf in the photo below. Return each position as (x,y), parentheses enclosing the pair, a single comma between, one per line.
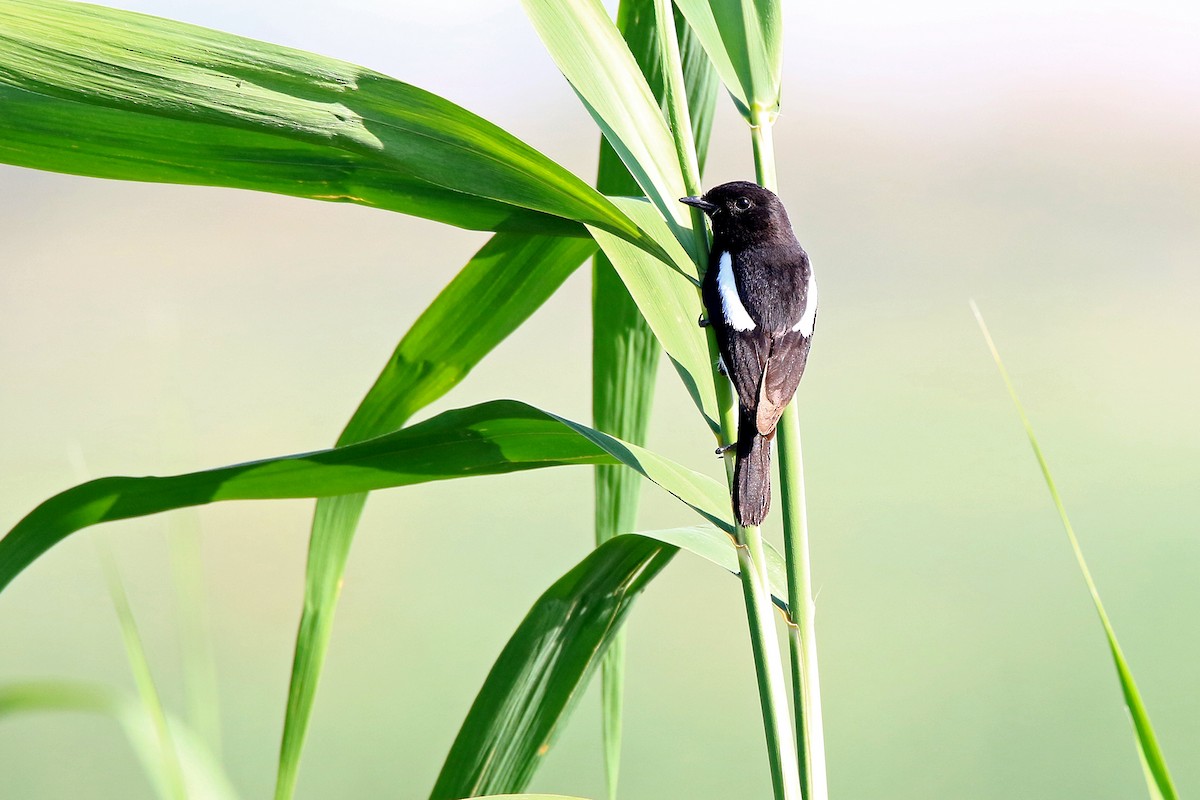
(625,353)
(204,776)
(744,39)
(589,51)
(488,439)
(669,299)
(505,282)
(546,664)
(107,93)
(1154,765)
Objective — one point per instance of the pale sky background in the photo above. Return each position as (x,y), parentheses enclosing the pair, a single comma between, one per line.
(936,61)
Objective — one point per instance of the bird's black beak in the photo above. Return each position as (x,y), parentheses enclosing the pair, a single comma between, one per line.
(700,203)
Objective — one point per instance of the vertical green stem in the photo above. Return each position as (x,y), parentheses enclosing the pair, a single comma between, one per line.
(768,661)
(802,636)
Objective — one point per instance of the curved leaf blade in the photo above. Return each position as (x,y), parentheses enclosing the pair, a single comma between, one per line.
(589,51)
(488,439)
(545,666)
(1159,783)
(502,285)
(158,100)
(547,661)
(669,299)
(744,39)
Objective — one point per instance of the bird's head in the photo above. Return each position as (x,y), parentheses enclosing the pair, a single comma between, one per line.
(742,211)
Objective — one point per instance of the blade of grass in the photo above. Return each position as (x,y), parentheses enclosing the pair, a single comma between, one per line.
(589,51)
(545,667)
(669,300)
(744,40)
(493,438)
(205,779)
(165,101)
(1154,765)
(170,771)
(550,658)
(502,285)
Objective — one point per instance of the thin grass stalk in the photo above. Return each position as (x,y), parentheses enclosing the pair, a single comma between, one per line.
(1154,764)
(169,767)
(768,661)
(802,635)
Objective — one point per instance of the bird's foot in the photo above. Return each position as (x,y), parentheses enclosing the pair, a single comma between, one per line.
(721,451)
(702,322)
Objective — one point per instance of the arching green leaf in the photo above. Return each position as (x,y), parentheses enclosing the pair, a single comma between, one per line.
(107,93)
(492,438)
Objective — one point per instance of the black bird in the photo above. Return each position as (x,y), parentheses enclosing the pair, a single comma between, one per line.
(761,299)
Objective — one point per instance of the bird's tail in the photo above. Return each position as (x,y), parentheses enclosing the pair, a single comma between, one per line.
(751,473)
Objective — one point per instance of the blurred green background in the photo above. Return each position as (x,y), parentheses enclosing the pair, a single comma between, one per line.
(1042,158)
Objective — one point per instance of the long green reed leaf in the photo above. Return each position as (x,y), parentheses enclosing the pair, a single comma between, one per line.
(592,55)
(669,299)
(547,663)
(1154,764)
(550,658)
(96,91)
(493,438)
(502,285)
(744,39)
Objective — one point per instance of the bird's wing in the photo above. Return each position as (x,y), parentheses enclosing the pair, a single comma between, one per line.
(780,377)
(745,355)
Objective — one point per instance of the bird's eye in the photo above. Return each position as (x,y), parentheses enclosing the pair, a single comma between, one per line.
(742,203)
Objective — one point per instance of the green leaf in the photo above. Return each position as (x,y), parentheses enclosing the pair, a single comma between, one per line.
(589,51)
(1154,764)
(170,769)
(744,39)
(492,438)
(669,299)
(204,777)
(505,282)
(546,664)
(625,353)
(544,668)
(96,91)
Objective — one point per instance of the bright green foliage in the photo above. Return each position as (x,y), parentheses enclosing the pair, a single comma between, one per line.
(744,39)
(589,50)
(1154,764)
(488,439)
(504,736)
(506,281)
(95,91)
(669,299)
(545,666)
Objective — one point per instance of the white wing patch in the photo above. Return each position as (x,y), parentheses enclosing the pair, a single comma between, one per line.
(809,317)
(731,304)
